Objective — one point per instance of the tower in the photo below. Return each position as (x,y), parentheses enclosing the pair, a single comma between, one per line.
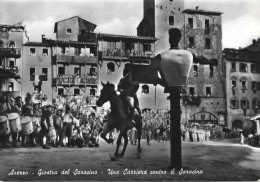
(159,17)
(201,35)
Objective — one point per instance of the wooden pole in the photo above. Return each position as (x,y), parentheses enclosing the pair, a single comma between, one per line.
(176,156)
(155,95)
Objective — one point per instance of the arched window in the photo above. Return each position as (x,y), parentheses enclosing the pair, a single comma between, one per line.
(110,67)
(237,124)
(11,44)
(145,89)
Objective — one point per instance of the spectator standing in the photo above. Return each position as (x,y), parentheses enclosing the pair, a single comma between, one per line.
(242,138)
(67,127)
(58,124)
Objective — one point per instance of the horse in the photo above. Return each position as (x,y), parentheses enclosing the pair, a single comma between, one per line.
(119,118)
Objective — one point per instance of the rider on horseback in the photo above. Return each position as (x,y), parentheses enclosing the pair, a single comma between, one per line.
(128,89)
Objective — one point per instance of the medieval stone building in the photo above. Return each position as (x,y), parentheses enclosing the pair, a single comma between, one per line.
(202,35)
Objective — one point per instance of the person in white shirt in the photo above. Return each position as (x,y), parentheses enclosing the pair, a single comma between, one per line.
(67,126)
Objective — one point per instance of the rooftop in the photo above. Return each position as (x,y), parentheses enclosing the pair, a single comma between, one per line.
(51,42)
(81,19)
(201,12)
(36,44)
(254,47)
(11,27)
(104,35)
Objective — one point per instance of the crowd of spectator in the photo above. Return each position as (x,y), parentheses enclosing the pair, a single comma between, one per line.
(72,122)
(57,125)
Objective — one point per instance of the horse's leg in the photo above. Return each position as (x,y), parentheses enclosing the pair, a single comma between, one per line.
(125,143)
(135,137)
(118,143)
(139,134)
(103,135)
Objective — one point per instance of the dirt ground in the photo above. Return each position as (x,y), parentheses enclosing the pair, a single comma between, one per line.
(206,161)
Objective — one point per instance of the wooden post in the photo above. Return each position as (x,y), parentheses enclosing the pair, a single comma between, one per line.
(155,96)
(176,156)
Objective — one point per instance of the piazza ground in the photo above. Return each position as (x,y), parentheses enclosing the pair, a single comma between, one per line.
(218,161)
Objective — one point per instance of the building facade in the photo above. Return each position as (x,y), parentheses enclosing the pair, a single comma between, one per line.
(79,60)
(204,101)
(202,35)
(118,50)
(11,41)
(65,66)
(36,70)
(242,84)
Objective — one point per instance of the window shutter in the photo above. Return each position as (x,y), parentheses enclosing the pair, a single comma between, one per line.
(237,106)
(241,104)
(247,103)
(258,85)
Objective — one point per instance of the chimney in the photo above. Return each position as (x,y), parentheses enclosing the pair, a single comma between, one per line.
(254,41)
(43,38)
(197,7)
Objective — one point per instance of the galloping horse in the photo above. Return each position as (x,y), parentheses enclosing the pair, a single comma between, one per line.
(119,118)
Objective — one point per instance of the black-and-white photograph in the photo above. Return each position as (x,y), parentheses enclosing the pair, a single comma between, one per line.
(139,90)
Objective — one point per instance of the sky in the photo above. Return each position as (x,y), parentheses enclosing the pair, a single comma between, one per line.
(240,19)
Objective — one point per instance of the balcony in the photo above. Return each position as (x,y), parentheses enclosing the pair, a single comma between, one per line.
(74,80)
(10,52)
(125,55)
(10,73)
(65,59)
(14,94)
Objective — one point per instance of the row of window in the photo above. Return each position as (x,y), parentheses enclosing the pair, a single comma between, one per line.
(125,46)
(10,45)
(76,91)
(61,71)
(254,85)
(191,24)
(77,71)
(191,43)
(11,64)
(244,104)
(44,74)
(243,67)
(33,52)
(208,91)
(196,71)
